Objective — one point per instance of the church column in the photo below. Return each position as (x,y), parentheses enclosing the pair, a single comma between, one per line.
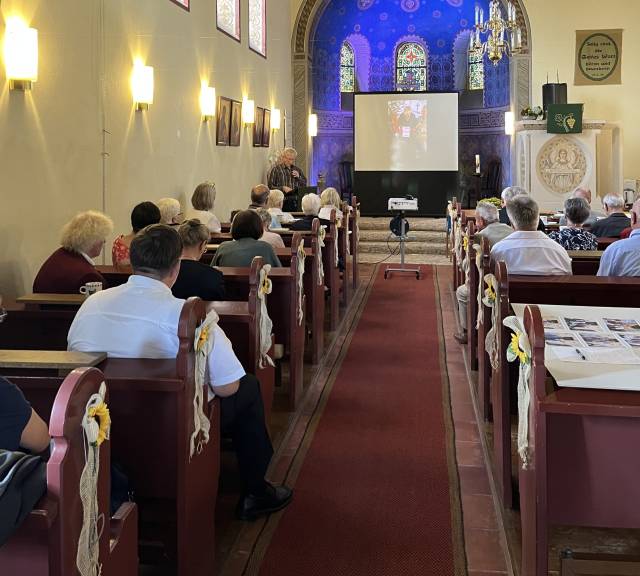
(519,97)
(302,107)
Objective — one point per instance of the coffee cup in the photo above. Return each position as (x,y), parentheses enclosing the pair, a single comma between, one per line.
(91,288)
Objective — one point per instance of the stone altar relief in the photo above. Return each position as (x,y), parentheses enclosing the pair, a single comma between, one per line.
(562,165)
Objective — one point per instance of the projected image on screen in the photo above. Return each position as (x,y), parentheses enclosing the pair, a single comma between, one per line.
(408,125)
(406,133)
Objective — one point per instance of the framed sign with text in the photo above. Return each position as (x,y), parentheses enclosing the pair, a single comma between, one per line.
(598,57)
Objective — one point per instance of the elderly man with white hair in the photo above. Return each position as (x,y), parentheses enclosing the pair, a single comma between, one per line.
(487,226)
(509,194)
(616,220)
(170,211)
(288,177)
(585,194)
(529,251)
(622,258)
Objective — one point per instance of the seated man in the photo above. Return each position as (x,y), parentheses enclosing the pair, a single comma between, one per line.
(311,208)
(259,197)
(616,220)
(527,250)
(622,258)
(140,320)
(490,228)
(509,194)
(71,266)
(584,193)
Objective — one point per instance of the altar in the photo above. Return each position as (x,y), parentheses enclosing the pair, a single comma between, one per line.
(551,166)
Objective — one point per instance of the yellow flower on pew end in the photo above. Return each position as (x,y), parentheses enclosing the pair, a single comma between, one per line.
(100,412)
(301,253)
(266,286)
(203,338)
(490,293)
(515,350)
(465,243)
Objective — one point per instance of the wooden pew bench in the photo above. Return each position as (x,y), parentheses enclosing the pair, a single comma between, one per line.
(46,544)
(151,404)
(583,468)
(564,290)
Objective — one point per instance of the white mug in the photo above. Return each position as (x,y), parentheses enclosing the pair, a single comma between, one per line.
(91,288)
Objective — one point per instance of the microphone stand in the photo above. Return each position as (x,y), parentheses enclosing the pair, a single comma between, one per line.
(404,238)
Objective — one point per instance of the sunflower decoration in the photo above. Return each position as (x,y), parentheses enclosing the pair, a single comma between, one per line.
(490,293)
(100,413)
(265,282)
(516,349)
(203,338)
(465,243)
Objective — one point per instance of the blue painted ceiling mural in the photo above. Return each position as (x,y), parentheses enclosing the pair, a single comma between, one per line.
(377,27)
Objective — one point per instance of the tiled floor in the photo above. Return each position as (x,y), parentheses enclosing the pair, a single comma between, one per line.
(484,540)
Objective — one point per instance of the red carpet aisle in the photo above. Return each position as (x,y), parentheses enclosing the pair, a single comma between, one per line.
(373,495)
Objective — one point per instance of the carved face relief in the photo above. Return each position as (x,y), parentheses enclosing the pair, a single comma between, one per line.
(561,165)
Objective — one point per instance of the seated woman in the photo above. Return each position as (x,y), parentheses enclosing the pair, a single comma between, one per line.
(274,205)
(246,230)
(196,278)
(573,237)
(202,201)
(267,236)
(71,266)
(170,211)
(142,215)
(330,200)
(310,207)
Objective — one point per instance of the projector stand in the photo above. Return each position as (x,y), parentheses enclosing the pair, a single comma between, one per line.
(403,240)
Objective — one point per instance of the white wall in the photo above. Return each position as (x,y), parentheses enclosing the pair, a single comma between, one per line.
(51,138)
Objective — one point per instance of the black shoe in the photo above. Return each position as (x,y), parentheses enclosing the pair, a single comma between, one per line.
(274,498)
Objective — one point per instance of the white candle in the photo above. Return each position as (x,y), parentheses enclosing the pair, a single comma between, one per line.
(481,16)
(477,14)
(477,163)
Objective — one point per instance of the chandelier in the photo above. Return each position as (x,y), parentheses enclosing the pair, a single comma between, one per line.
(503,36)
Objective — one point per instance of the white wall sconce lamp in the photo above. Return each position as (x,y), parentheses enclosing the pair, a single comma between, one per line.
(142,85)
(313,125)
(276,119)
(20,54)
(248,111)
(509,123)
(207,102)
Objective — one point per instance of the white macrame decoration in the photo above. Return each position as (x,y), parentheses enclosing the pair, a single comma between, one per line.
(520,349)
(300,281)
(204,341)
(321,235)
(335,242)
(491,339)
(88,555)
(480,317)
(266,325)
(346,231)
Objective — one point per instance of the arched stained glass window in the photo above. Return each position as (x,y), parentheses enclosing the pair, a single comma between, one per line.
(411,67)
(347,68)
(476,71)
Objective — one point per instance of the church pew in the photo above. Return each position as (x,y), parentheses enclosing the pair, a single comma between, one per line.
(583,470)
(567,290)
(472,278)
(604,243)
(46,544)
(585,262)
(343,254)
(151,404)
(354,239)
(283,304)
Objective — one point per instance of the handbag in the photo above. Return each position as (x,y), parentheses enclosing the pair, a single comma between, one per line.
(23,481)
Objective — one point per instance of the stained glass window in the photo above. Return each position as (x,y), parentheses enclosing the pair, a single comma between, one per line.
(476,71)
(411,67)
(258,26)
(347,68)
(228,17)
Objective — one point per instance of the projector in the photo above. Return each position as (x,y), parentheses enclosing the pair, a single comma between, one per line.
(404,204)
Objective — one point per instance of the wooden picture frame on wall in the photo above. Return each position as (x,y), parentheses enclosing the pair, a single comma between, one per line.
(185,4)
(236,31)
(224,121)
(266,128)
(236,123)
(257,127)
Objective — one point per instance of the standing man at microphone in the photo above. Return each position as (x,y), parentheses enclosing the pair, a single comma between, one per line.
(287,177)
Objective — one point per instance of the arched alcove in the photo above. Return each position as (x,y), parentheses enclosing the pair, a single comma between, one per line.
(309,61)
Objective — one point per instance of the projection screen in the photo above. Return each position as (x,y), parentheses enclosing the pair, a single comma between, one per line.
(406,132)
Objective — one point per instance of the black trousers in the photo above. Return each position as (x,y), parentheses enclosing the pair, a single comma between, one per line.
(242,419)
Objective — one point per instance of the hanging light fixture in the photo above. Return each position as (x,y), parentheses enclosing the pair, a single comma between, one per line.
(276,119)
(504,36)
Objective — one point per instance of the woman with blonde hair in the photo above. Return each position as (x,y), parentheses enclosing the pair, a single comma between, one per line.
(202,201)
(196,278)
(329,200)
(170,211)
(71,266)
(274,205)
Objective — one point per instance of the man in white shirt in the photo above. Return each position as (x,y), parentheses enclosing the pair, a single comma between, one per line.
(140,320)
(527,250)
